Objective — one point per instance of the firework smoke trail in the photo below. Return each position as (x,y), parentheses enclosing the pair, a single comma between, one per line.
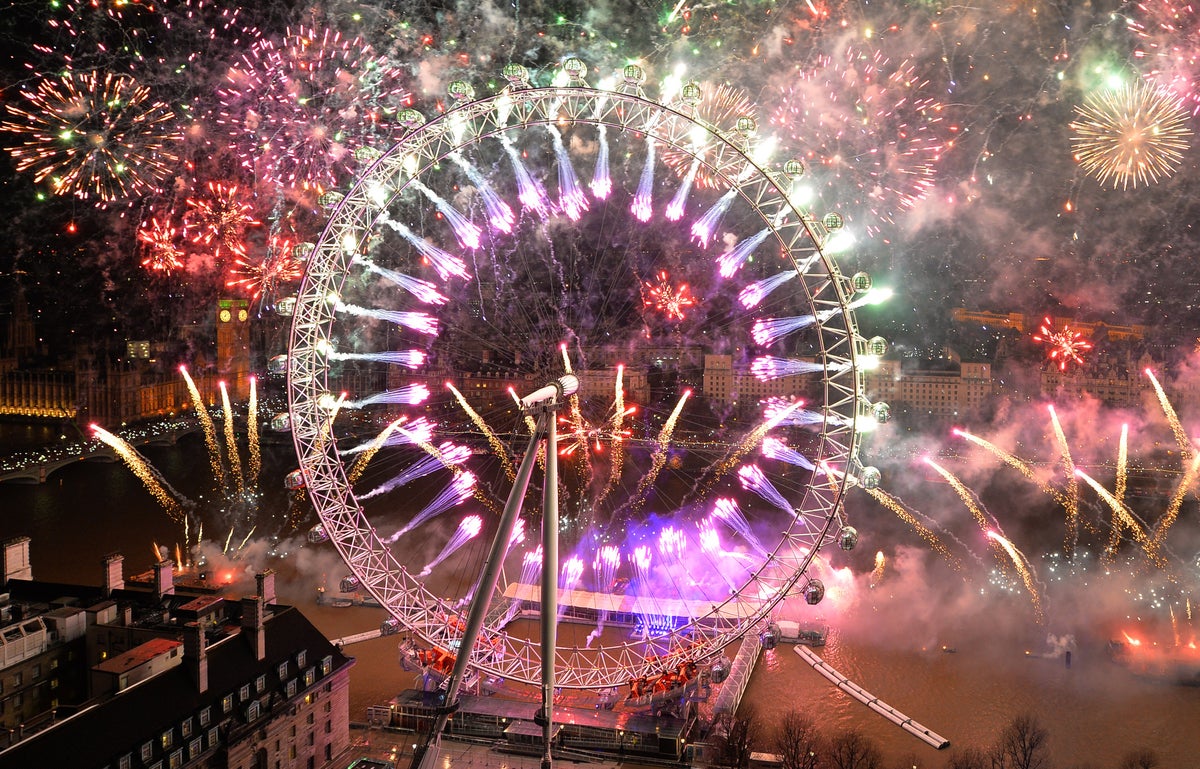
(1072,496)
(1118,507)
(753,479)
(368,452)
(1014,462)
(531,566)
(171,500)
(732,260)
(965,495)
(675,208)
(1164,524)
(424,291)
(421,322)
(727,511)
(499,213)
(231,448)
(702,230)
(893,504)
(1025,570)
(252,431)
(605,565)
(1181,437)
(443,262)
(465,230)
(467,530)
(410,395)
(659,459)
(753,294)
(459,488)
(877,572)
(448,455)
(206,424)
(497,446)
(773,448)
(767,367)
(412,359)
(601,181)
(643,207)
(530,191)
(570,197)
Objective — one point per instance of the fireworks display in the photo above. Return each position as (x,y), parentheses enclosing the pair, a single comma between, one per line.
(93,135)
(668,298)
(1063,346)
(1130,136)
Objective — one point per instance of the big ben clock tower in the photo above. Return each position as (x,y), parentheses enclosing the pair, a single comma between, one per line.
(233,346)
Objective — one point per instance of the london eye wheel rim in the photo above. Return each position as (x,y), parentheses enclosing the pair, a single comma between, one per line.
(422,612)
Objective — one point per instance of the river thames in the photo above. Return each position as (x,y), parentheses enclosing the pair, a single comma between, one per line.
(963,673)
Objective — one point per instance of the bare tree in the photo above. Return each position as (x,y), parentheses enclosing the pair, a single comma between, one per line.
(734,738)
(968,758)
(1022,745)
(798,742)
(1142,758)
(854,750)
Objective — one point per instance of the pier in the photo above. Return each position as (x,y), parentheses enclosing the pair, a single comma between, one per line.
(871,701)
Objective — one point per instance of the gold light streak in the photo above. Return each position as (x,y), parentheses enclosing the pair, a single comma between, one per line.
(1071,504)
(617,455)
(1160,530)
(252,430)
(966,496)
(659,459)
(1130,135)
(1014,462)
(1023,568)
(364,459)
(877,572)
(493,441)
(141,468)
(893,504)
(206,424)
(1117,506)
(1114,536)
(231,449)
(1185,444)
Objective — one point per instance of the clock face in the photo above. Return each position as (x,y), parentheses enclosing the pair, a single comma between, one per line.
(225,316)
(242,315)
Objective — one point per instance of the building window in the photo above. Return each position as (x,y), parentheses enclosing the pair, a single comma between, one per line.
(125,761)
(283,668)
(310,676)
(329,727)
(167,738)
(244,694)
(227,703)
(194,748)
(18,678)
(147,751)
(37,671)
(301,658)
(260,684)
(175,760)
(252,711)
(291,688)
(205,716)
(186,727)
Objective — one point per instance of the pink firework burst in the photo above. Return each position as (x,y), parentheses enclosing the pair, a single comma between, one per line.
(264,278)
(1168,46)
(666,297)
(219,219)
(1063,346)
(298,107)
(869,129)
(159,245)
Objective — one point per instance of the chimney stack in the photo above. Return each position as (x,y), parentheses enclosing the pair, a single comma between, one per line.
(195,656)
(114,573)
(253,625)
(266,586)
(164,578)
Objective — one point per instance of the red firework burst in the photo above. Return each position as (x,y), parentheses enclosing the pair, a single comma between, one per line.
(1063,346)
(220,219)
(264,278)
(669,299)
(159,246)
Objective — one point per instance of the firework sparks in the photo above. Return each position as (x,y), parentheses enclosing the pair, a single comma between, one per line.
(443,262)
(732,260)
(493,440)
(666,297)
(570,196)
(160,246)
(263,279)
(643,207)
(421,322)
(1063,346)
(467,530)
(1026,572)
(170,500)
(219,219)
(601,180)
(753,294)
(1181,437)
(1155,541)
(206,424)
(1071,502)
(1132,135)
(94,135)
(424,291)
(371,449)
(718,111)
(659,459)
(678,203)
(931,539)
(456,492)
(880,565)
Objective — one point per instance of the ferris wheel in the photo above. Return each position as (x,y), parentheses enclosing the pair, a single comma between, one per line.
(542,232)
